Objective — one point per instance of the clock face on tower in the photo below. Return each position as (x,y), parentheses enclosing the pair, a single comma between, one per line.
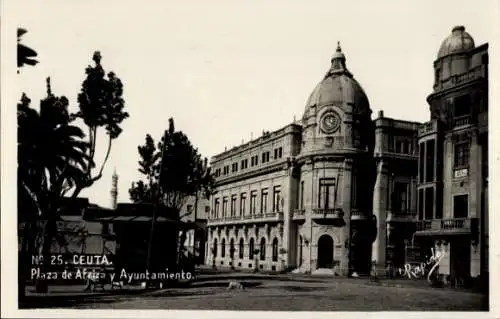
(330,122)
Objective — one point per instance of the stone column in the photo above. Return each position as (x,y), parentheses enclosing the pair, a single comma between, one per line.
(345,263)
(380,212)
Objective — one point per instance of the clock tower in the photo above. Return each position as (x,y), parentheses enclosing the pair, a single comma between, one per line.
(337,172)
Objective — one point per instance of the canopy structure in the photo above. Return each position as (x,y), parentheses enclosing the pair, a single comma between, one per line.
(134,213)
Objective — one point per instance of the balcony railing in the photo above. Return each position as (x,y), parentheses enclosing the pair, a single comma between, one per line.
(428,127)
(327,213)
(238,219)
(299,214)
(447,226)
(402,216)
(461,121)
(358,215)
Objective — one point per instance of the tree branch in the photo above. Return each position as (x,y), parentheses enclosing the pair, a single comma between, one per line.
(33,196)
(105,158)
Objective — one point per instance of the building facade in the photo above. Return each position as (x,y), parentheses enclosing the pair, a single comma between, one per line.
(341,190)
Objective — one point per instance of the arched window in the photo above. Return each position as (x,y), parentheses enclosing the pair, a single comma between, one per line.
(242,248)
(215,247)
(262,249)
(251,249)
(231,249)
(223,248)
(275,249)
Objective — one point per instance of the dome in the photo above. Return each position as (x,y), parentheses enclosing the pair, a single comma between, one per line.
(338,88)
(458,41)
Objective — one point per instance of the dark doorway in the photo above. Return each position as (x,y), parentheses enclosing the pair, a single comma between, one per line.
(325,252)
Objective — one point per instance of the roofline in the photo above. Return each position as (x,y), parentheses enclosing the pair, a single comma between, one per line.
(237,149)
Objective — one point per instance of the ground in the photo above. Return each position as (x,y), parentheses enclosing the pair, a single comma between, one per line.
(285,293)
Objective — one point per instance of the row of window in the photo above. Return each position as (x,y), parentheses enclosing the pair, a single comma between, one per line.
(461,157)
(241,250)
(404,146)
(264,199)
(254,160)
(428,198)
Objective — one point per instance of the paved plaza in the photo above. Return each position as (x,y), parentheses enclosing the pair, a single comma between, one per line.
(285,294)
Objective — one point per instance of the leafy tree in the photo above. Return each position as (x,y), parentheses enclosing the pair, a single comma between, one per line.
(25,55)
(149,167)
(101,106)
(55,159)
(51,157)
(177,171)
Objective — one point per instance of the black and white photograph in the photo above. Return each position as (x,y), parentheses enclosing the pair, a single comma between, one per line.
(257,157)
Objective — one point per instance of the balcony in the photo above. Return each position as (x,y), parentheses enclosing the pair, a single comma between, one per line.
(268,217)
(454,226)
(428,128)
(460,121)
(358,215)
(299,215)
(327,213)
(402,216)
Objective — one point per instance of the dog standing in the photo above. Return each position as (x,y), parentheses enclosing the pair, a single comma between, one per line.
(235,285)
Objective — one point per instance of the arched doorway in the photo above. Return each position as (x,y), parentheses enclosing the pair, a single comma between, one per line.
(325,252)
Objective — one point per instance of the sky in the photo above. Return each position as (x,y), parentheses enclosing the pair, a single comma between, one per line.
(227,70)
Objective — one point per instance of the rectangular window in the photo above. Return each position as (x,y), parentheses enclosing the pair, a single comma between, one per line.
(429,203)
(275,153)
(301,201)
(462,106)
(439,202)
(280,152)
(400,197)
(461,158)
(421,162)
(263,202)
(420,204)
(253,202)
(256,160)
(277,199)
(429,169)
(216,209)
(461,206)
(224,207)
(233,205)
(326,193)
(390,142)
(243,203)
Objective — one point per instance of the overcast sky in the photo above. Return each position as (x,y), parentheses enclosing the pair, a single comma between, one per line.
(226,69)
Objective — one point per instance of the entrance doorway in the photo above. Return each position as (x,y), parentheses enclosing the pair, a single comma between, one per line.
(325,252)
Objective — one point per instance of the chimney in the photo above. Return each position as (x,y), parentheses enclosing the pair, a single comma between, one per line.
(381,113)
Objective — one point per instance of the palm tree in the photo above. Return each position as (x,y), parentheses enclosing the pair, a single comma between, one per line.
(25,54)
(52,159)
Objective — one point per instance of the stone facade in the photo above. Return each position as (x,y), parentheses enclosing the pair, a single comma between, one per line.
(340,191)
(453,166)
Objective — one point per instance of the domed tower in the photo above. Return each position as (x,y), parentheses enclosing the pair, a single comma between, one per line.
(337,171)
(453,151)
(453,59)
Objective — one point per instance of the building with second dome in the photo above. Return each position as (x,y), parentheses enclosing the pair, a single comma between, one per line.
(340,190)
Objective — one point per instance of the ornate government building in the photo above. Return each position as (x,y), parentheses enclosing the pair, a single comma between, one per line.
(339,189)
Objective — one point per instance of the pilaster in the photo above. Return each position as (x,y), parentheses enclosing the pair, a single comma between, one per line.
(345,264)
(380,212)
